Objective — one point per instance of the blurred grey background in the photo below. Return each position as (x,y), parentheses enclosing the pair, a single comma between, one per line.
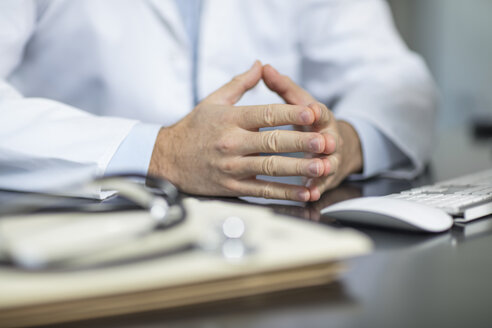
(455,38)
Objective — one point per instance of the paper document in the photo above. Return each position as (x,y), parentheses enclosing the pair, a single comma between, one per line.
(283,253)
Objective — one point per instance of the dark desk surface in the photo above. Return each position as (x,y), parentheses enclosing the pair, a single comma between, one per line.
(410,280)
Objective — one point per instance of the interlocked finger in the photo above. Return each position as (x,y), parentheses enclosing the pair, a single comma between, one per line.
(255,117)
(332,140)
(324,116)
(332,164)
(282,141)
(281,166)
(273,190)
(317,186)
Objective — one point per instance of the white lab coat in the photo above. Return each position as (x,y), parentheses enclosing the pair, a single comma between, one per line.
(75,76)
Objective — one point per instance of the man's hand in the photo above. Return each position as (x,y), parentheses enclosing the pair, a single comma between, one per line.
(214,150)
(341,140)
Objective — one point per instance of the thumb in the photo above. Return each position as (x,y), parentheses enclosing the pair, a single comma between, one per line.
(230,93)
(285,87)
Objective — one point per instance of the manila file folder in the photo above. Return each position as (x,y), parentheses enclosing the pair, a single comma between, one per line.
(280,253)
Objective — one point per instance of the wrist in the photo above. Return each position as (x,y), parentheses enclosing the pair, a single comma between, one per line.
(352,148)
(161,162)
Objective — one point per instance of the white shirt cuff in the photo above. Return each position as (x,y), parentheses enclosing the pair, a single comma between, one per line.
(379,153)
(134,153)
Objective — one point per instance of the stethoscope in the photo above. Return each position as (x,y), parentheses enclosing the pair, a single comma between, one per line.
(101,228)
(160,197)
(87,228)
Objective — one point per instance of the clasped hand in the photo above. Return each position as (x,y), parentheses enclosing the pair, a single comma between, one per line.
(215,150)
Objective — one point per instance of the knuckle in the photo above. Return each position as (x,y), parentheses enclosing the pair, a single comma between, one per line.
(225,145)
(270,192)
(300,168)
(300,142)
(267,191)
(269,166)
(325,112)
(228,167)
(269,115)
(271,142)
(287,194)
(323,107)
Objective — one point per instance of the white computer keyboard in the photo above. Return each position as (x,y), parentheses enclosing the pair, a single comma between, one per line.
(465,198)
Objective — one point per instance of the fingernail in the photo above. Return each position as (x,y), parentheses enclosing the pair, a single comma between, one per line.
(331,144)
(315,145)
(315,194)
(314,169)
(306,117)
(303,195)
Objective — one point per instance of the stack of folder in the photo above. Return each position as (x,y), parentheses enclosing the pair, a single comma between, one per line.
(279,253)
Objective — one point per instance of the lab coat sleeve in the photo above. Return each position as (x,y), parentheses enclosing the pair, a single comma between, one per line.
(46,145)
(135,152)
(354,60)
(378,152)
